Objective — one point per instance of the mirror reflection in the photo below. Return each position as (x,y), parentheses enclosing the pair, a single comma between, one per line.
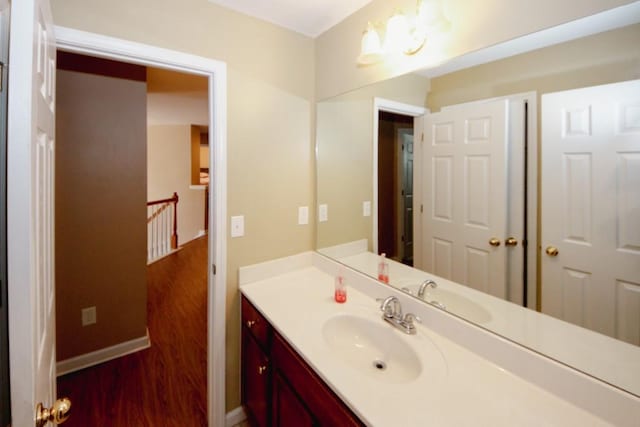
(506,193)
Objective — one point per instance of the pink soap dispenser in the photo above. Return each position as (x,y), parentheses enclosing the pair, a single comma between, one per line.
(340,293)
(383,269)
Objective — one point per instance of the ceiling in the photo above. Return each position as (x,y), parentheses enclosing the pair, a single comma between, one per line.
(309,17)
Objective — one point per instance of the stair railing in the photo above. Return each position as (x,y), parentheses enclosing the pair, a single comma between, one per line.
(162,227)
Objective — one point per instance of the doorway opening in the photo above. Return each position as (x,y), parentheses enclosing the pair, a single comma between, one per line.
(140,126)
(215,72)
(395,186)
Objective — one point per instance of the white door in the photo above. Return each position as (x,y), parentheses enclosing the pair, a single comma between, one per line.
(30,207)
(465,194)
(591,208)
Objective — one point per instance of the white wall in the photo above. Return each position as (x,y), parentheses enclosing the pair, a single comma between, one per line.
(169,170)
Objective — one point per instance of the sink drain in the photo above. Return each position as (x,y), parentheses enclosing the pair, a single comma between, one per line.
(379,365)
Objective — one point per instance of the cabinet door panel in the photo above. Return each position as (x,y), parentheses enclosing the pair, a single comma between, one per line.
(288,410)
(255,381)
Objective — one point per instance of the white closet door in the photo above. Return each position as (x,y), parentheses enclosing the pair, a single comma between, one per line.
(465,194)
(591,208)
(30,192)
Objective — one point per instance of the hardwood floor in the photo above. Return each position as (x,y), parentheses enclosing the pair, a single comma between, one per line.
(165,385)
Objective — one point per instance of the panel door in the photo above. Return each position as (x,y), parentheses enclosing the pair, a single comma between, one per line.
(407,197)
(30,191)
(591,208)
(465,194)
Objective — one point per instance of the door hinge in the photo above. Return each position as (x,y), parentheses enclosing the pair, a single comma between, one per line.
(422,137)
(421,209)
(1,76)
(213,269)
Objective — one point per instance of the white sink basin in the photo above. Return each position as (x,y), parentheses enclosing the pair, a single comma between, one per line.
(456,304)
(373,348)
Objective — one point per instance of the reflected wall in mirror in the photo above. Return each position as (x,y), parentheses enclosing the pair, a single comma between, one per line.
(584,285)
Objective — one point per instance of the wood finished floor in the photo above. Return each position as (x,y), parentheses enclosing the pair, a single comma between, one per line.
(165,385)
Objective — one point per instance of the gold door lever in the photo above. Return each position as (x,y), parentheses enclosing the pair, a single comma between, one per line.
(57,414)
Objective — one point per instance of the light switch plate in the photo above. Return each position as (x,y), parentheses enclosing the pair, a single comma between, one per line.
(303,215)
(366,208)
(237,226)
(323,213)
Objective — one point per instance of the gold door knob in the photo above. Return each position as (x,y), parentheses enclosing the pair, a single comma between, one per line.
(57,414)
(250,323)
(261,369)
(552,251)
(494,242)
(511,241)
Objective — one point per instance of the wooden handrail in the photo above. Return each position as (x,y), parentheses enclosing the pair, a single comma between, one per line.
(172,199)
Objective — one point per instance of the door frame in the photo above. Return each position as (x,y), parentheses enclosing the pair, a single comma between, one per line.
(381,104)
(82,42)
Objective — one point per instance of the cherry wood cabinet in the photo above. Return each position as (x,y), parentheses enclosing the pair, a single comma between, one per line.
(279,388)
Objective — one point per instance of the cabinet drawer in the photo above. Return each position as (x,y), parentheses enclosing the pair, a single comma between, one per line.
(256,324)
(327,408)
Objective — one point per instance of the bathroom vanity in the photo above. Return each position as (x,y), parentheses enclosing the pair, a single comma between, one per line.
(307,360)
(278,386)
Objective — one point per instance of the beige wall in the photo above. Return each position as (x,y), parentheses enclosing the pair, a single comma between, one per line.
(100,211)
(475,24)
(608,57)
(270,109)
(169,170)
(345,155)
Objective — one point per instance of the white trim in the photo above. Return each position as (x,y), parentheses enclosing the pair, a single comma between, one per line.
(103,355)
(236,416)
(381,104)
(98,45)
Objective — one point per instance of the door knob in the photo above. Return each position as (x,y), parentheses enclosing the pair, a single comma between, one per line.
(552,251)
(250,323)
(261,369)
(57,414)
(511,241)
(494,242)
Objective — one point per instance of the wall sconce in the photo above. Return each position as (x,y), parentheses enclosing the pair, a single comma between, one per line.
(400,36)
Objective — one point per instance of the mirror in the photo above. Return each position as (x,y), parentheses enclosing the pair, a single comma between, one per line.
(368,142)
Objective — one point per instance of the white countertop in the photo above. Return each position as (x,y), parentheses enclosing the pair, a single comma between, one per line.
(611,360)
(456,387)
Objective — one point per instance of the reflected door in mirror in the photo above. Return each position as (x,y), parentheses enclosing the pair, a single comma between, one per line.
(591,208)
(466,195)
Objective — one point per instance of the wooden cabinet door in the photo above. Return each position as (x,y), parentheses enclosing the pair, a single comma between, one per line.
(255,381)
(288,409)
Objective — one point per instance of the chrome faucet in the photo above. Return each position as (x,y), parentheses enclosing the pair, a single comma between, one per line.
(392,313)
(426,284)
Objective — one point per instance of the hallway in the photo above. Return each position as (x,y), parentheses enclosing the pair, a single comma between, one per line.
(165,385)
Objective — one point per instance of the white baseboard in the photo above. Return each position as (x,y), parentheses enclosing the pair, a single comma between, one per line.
(103,355)
(235,417)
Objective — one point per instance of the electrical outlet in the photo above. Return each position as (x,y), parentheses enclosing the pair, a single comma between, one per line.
(303,215)
(366,208)
(323,213)
(89,316)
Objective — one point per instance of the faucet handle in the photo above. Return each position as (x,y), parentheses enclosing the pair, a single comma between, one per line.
(409,318)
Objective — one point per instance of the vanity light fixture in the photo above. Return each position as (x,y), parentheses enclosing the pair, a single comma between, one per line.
(400,36)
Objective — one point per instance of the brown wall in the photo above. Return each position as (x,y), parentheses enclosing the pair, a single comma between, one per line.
(100,218)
